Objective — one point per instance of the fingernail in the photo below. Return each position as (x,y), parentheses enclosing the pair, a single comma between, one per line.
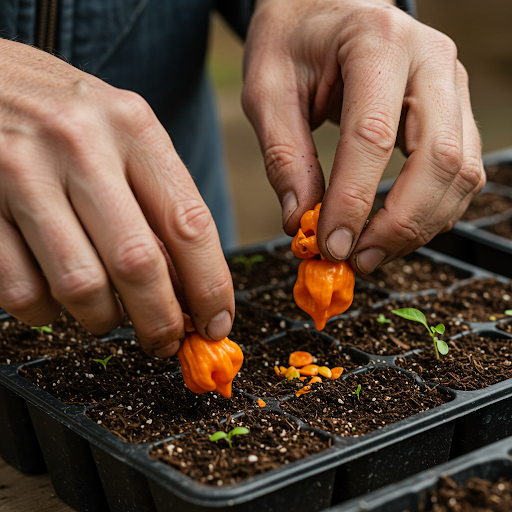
(369,259)
(289,204)
(219,326)
(339,243)
(168,350)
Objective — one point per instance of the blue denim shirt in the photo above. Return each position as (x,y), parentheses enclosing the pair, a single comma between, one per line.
(157,49)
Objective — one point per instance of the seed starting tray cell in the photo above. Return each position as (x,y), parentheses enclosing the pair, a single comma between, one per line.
(92,469)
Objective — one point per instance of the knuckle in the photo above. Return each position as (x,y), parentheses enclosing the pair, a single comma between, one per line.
(20,298)
(472,174)
(136,258)
(192,219)
(406,229)
(277,158)
(357,200)
(130,106)
(447,154)
(80,285)
(157,336)
(216,288)
(446,46)
(462,75)
(377,133)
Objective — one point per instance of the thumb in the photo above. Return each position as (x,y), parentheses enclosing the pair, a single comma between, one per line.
(282,126)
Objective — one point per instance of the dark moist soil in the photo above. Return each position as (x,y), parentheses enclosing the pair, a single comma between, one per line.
(483,300)
(503,228)
(257,375)
(386,396)
(280,301)
(476,495)
(251,326)
(414,273)
(136,397)
(473,362)
(273,441)
(397,336)
(501,173)
(19,343)
(275,267)
(485,205)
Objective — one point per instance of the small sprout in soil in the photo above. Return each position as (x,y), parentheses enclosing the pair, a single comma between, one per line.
(237,431)
(508,312)
(382,319)
(248,262)
(44,328)
(103,362)
(417,316)
(353,429)
(357,391)
(493,318)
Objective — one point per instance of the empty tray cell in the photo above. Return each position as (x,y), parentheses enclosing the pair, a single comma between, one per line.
(260,268)
(415,273)
(258,376)
(474,361)
(503,228)
(483,300)
(485,205)
(252,325)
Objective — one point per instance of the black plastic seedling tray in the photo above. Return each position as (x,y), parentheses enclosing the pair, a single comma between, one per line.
(94,470)
(413,494)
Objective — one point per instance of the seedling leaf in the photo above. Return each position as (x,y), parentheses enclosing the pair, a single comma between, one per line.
(104,362)
(44,328)
(411,314)
(357,391)
(439,328)
(218,435)
(238,431)
(442,347)
(248,261)
(508,312)
(382,319)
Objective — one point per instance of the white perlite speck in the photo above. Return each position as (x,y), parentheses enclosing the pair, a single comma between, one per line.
(252,458)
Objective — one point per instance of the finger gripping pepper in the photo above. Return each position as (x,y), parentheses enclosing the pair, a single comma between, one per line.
(209,365)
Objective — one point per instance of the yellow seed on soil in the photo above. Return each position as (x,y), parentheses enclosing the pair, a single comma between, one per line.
(325,372)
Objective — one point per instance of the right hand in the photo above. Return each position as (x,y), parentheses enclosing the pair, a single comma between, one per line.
(87,176)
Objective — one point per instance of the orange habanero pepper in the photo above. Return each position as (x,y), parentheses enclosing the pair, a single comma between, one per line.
(323,289)
(209,365)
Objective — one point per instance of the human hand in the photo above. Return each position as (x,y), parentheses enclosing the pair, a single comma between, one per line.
(385,78)
(87,176)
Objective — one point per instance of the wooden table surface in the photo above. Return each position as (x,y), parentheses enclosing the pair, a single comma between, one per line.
(27,493)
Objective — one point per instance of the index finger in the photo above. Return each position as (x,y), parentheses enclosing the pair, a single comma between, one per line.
(374,84)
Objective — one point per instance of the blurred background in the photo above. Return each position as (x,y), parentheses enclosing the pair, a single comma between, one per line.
(483,34)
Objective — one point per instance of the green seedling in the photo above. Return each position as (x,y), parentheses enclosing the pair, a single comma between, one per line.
(382,319)
(417,316)
(508,312)
(103,362)
(237,431)
(248,261)
(357,391)
(44,328)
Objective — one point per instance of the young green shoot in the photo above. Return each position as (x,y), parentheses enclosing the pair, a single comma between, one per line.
(44,328)
(508,312)
(357,391)
(237,431)
(103,362)
(382,319)
(249,261)
(417,316)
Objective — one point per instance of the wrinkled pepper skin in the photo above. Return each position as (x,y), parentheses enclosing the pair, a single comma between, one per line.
(304,244)
(324,289)
(209,365)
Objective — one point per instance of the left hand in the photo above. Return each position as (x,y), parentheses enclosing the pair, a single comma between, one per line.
(386,79)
